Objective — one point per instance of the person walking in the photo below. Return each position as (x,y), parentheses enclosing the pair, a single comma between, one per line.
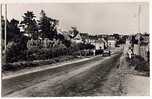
(130,55)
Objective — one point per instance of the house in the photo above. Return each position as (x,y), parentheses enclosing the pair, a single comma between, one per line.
(112,43)
(100,44)
(77,39)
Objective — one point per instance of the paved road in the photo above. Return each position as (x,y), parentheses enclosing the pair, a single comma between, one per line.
(51,82)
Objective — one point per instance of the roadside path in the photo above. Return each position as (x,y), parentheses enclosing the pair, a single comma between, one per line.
(138,85)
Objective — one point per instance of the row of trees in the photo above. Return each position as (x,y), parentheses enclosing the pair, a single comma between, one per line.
(18,34)
(45,27)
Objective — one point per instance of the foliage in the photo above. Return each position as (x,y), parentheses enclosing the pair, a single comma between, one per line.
(116,36)
(29,24)
(121,40)
(13,31)
(43,28)
(14,52)
(47,26)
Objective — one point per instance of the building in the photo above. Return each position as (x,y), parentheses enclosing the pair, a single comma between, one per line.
(77,39)
(100,44)
(112,43)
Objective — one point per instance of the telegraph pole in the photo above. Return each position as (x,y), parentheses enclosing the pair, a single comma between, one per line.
(1,26)
(5,41)
(1,19)
(139,13)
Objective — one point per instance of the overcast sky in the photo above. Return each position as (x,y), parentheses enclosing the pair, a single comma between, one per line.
(90,17)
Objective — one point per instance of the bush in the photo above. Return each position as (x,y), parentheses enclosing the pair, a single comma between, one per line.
(42,54)
(17,52)
(14,53)
(99,52)
(139,63)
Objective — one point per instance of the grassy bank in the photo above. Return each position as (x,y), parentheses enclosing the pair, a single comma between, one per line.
(24,64)
(140,65)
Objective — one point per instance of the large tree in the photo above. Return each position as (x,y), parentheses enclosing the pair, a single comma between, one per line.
(15,41)
(13,33)
(12,30)
(47,26)
(29,24)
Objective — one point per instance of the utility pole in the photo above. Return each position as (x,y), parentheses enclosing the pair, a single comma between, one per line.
(139,13)
(5,41)
(0,19)
(1,26)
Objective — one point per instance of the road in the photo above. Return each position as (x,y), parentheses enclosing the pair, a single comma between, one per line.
(68,80)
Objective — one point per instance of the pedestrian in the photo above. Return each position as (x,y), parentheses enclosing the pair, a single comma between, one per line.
(130,55)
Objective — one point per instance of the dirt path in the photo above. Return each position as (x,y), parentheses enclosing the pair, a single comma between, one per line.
(115,83)
(138,85)
(134,84)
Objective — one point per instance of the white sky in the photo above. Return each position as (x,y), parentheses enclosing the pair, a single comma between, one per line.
(90,17)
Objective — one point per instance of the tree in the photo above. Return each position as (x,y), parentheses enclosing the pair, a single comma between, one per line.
(116,36)
(13,32)
(29,24)
(47,26)
(134,40)
(3,26)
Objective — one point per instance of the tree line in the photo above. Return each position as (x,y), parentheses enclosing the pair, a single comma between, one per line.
(20,32)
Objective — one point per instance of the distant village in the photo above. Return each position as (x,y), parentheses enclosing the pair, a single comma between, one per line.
(102,41)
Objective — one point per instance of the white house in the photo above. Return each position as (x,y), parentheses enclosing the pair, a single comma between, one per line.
(111,43)
(99,44)
(77,39)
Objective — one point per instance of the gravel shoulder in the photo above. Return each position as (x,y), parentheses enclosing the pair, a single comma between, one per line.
(9,74)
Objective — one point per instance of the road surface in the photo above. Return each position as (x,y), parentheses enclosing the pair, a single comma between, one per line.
(67,80)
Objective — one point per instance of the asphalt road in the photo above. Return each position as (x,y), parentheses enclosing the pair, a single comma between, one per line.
(58,81)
